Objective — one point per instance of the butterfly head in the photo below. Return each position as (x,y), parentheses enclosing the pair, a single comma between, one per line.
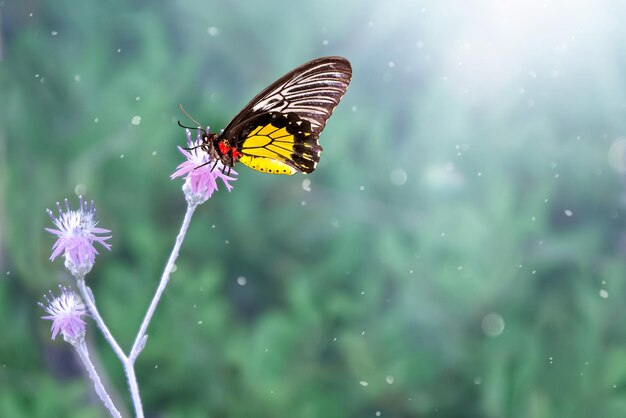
(219,149)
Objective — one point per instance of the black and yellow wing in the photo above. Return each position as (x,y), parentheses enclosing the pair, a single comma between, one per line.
(277,132)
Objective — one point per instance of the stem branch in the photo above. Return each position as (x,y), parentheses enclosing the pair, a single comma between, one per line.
(88,298)
(165,277)
(83,353)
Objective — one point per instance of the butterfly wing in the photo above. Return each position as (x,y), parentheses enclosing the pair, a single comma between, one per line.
(277,131)
(278,143)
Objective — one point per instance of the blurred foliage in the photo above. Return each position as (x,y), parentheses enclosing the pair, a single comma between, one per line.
(460,252)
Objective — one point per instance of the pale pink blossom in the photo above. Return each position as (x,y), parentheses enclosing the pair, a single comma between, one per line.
(65,312)
(77,233)
(201,174)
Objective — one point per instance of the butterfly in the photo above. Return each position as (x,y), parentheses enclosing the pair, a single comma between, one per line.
(277,132)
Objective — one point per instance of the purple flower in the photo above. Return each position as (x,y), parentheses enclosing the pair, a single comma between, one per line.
(200,175)
(65,312)
(77,233)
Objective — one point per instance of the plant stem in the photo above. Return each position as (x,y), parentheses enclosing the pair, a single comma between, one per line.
(83,353)
(165,277)
(129,360)
(129,368)
(88,298)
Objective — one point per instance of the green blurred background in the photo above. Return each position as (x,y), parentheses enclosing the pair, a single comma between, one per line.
(459,251)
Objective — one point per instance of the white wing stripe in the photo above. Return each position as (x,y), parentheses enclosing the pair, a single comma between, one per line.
(312,94)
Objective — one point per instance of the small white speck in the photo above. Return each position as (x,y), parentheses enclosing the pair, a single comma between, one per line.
(459,268)
(77,77)
(603,294)
(174,268)
(389,380)
(325,42)
(363,383)
(492,324)
(119,50)
(362,332)
(398,176)
(154,153)
(30,15)
(156,366)
(36,75)
(533,219)
(136,120)
(391,64)
(137,98)
(80,189)
(306,185)
(226,242)
(378,413)
(477,380)
(443,234)
(200,322)
(54,33)
(303,203)
(213,31)
(362,188)
(242,281)
(354,108)
(568,212)
(122,156)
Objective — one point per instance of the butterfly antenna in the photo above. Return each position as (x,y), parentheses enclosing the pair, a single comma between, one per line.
(190,127)
(188,115)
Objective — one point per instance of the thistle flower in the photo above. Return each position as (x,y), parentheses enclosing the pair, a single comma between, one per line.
(200,176)
(65,312)
(77,233)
